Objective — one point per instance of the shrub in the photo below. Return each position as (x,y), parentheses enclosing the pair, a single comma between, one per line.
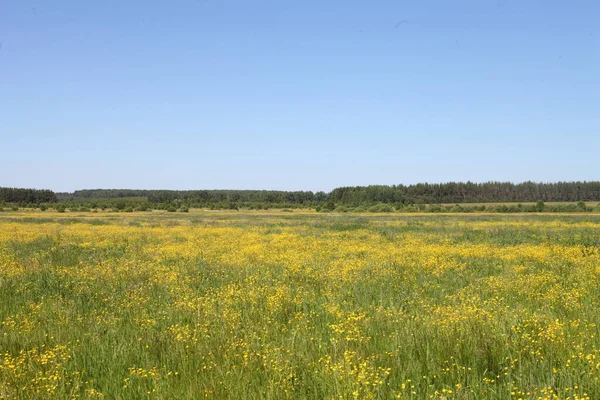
(329,206)
(411,208)
(540,206)
(184,209)
(434,208)
(43,207)
(385,208)
(568,208)
(128,209)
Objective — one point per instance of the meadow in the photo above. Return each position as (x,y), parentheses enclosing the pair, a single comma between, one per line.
(270,305)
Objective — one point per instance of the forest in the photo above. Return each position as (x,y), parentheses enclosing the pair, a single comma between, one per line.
(28,196)
(382,197)
(468,192)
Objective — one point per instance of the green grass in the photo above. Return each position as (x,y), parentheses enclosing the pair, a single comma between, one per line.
(273,305)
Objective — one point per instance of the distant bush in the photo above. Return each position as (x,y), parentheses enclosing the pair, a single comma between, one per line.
(43,207)
(386,208)
(84,209)
(318,209)
(184,209)
(566,208)
(13,208)
(381,208)
(540,206)
(410,208)
(128,209)
(434,208)
(60,209)
(171,209)
(329,206)
(360,209)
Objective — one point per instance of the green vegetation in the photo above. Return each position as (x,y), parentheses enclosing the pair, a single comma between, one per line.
(445,197)
(27,196)
(272,305)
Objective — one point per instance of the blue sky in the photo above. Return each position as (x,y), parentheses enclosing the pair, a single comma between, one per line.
(297,95)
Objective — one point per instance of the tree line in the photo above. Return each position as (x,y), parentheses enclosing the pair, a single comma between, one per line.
(28,196)
(236,196)
(350,196)
(468,192)
(103,194)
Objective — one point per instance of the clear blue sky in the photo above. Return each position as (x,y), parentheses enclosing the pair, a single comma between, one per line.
(297,95)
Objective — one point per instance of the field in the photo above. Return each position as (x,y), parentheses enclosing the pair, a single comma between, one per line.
(267,305)
(590,204)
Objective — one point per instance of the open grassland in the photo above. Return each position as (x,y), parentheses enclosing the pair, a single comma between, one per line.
(307,306)
(590,204)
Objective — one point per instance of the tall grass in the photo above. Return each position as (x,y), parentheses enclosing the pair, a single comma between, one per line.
(267,306)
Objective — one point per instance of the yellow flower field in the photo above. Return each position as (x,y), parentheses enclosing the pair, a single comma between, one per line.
(267,305)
